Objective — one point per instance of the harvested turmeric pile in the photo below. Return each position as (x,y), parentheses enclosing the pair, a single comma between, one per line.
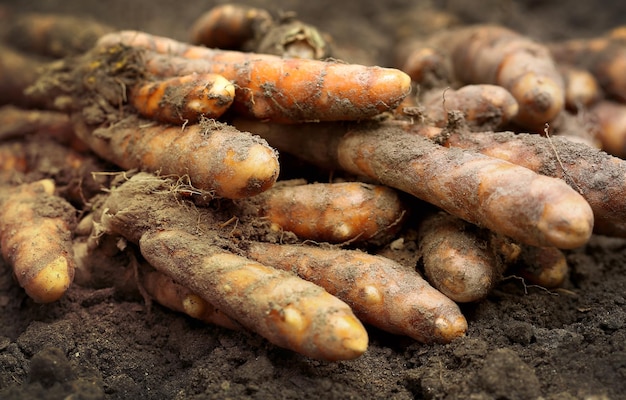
(248,180)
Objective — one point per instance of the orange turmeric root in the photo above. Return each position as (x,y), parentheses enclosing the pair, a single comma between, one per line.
(581,87)
(184,98)
(489,192)
(288,311)
(36,239)
(426,65)
(273,88)
(215,156)
(331,212)
(380,291)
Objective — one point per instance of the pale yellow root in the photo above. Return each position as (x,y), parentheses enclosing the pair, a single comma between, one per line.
(581,87)
(611,117)
(179,298)
(380,291)
(457,259)
(35,237)
(288,311)
(215,156)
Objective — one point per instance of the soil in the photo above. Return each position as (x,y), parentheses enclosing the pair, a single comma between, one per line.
(523,341)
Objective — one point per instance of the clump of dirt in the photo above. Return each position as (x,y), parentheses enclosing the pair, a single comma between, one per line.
(523,342)
(93,82)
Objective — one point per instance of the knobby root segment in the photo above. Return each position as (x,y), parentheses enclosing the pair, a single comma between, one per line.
(611,118)
(489,192)
(183,99)
(288,311)
(486,191)
(36,239)
(458,258)
(427,66)
(581,87)
(285,309)
(543,266)
(229,26)
(179,298)
(331,212)
(483,106)
(603,56)
(215,156)
(381,292)
(274,88)
(497,55)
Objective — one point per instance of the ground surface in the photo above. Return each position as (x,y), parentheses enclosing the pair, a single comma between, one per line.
(522,343)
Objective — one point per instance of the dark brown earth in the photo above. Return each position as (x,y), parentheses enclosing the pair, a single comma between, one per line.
(523,342)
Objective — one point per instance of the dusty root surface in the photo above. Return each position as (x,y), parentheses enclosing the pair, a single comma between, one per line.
(522,343)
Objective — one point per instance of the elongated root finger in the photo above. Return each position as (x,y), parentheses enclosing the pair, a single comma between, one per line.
(380,291)
(331,212)
(214,156)
(179,298)
(286,310)
(183,99)
(457,260)
(35,233)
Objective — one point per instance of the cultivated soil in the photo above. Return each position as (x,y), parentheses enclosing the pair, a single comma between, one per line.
(523,341)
